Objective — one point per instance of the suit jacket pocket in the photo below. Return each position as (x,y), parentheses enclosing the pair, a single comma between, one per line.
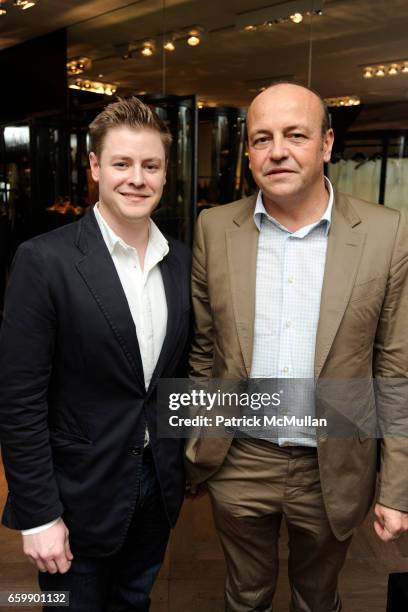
(60,438)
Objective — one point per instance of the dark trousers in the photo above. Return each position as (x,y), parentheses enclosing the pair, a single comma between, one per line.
(122,582)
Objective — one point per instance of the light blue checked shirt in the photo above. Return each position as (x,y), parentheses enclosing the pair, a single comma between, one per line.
(289,279)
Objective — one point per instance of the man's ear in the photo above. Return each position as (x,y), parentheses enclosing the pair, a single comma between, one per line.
(166,167)
(94,163)
(328,141)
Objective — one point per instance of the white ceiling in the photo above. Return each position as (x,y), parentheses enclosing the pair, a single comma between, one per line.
(228,63)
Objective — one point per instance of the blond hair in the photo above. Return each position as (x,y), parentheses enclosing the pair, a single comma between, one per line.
(132,113)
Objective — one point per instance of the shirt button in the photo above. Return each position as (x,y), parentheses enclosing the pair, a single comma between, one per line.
(288,323)
(291,280)
(285,370)
(135,450)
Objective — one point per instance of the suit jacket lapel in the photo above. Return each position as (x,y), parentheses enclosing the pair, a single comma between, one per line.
(99,273)
(242,243)
(171,282)
(344,249)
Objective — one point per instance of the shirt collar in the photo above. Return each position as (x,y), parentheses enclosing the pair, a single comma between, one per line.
(157,241)
(260,210)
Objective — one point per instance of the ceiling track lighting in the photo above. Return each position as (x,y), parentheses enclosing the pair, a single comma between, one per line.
(282,12)
(98,87)
(24,4)
(295,18)
(393,68)
(78,65)
(21,4)
(191,35)
(340,101)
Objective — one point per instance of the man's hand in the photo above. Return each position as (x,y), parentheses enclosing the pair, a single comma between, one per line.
(389,523)
(49,549)
(195,490)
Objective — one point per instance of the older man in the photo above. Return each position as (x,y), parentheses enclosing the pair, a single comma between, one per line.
(298,282)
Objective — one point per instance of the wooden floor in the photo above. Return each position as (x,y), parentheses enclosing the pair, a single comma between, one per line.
(191,579)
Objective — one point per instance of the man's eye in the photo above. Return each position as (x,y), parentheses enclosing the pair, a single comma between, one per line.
(297,136)
(261,140)
(152,167)
(120,165)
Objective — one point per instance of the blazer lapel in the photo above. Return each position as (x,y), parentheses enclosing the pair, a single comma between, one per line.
(345,246)
(171,282)
(99,273)
(242,243)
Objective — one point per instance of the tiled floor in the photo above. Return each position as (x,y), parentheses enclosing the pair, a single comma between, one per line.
(191,579)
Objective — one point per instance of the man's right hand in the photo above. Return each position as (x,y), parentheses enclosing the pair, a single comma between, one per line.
(49,549)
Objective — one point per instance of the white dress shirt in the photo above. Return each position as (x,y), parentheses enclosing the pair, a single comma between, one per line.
(289,278)
(144,291)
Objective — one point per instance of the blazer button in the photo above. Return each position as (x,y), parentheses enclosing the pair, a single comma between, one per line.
(135,450)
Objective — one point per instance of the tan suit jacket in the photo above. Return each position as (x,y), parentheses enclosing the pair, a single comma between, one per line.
(362,332)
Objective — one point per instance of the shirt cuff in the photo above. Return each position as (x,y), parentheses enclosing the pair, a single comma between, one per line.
(40,528)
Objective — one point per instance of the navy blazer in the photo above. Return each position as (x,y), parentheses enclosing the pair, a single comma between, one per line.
(73,403)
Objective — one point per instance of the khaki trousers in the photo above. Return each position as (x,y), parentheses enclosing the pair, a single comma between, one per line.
(257,484)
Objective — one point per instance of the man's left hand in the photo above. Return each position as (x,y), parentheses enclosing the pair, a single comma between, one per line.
(389,523)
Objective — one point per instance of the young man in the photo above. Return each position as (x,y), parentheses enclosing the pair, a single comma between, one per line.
(299,282)
(96,312)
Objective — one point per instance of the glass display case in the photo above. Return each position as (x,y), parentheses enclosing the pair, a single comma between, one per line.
(221,155)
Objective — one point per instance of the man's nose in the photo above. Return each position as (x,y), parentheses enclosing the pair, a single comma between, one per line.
(137,175)
(277,149)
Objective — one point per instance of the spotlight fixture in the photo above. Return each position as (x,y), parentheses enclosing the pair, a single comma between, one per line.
(148,49)
(193,41)
(343,101)
(93,86)
(296,18)
(193,38)
(78,65)
(3,9)
(391,68)
(169,46)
